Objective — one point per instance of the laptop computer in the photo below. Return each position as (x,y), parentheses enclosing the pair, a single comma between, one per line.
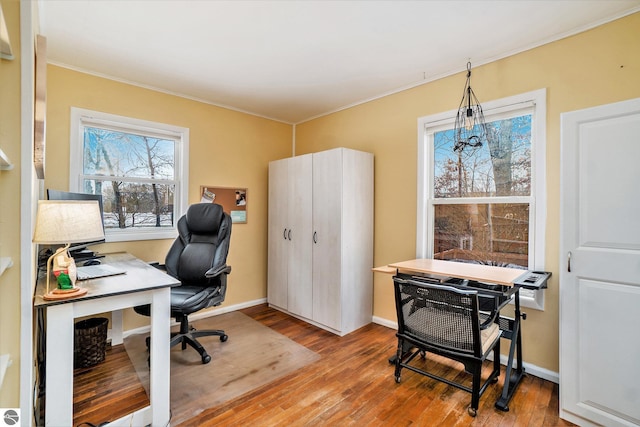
(87,272)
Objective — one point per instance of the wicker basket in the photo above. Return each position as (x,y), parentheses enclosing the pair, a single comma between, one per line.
(90,342)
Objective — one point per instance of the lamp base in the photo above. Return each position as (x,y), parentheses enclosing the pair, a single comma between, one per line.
(58,294)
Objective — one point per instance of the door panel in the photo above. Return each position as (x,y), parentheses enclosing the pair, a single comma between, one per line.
(607,358)
(299,235)
(278,223)
(327,211)
(609,172)
(600,265)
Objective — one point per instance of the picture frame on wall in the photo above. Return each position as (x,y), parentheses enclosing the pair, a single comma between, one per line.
(232,199)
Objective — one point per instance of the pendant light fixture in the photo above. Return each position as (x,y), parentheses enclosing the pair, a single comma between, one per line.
(470,129)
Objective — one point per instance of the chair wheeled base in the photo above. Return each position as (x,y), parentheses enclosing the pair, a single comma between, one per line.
(472,367)
(188,335)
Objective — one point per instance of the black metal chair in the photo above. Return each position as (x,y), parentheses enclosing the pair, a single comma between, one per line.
(446,321)
(198,258)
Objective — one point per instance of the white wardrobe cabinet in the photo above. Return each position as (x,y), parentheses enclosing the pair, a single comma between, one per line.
(321,238)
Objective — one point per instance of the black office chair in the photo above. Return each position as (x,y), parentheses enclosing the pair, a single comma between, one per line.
(447,321)
(198,259)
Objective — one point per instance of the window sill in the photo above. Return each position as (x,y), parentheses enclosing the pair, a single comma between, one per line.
(128,235)
(532,299)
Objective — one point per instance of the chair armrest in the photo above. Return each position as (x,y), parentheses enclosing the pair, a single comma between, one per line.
(216,271)
(491,317)
(156,264)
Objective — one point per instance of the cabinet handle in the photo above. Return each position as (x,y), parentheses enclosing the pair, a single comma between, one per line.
(569,261)
(289,234)
(284,234)
(315,237)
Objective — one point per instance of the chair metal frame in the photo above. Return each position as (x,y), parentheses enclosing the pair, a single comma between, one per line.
(447,321)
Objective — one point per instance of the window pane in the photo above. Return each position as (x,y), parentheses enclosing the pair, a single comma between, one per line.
(492,234)
(134,205)
(499,168)
(113,153)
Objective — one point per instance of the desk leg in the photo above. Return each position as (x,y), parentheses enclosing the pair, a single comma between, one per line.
(159,354)
(116,327)
(59,366)
(513,377)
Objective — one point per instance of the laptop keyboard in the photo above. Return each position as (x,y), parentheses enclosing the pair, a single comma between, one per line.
(97,271)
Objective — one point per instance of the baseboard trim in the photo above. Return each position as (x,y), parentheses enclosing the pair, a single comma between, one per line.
(529,368)
(384,322)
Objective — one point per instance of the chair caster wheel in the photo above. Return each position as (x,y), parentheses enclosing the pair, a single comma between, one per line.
(472,412)
(224,338)
(398,379)
(206,359)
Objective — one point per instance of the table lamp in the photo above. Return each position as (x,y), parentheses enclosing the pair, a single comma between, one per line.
(66,222)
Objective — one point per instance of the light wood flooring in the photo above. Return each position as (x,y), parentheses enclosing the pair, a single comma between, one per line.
(351,384)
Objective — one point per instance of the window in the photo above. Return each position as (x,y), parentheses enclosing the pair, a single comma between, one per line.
(486,205)
(139,167)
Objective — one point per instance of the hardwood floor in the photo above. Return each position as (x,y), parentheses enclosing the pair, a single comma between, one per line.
(107,391)
(352,384)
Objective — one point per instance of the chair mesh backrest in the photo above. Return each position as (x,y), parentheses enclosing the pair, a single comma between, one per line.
(438,315)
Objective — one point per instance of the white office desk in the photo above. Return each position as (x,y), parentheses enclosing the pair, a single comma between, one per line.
(142,284)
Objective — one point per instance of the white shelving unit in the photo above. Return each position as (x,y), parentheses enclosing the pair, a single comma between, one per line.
(5,163)
(5,262)
(5,362)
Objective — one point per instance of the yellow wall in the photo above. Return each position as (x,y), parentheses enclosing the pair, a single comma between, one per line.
(226,149)
(597,67)
(233,149)
(10,207)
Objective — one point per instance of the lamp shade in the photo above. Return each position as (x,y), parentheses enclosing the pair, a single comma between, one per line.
(67,221)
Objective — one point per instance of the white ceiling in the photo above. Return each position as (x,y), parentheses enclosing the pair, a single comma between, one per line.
(294,60)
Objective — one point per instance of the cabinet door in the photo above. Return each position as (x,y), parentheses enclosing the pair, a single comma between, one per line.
(278,247)
(327,208)
(299,236)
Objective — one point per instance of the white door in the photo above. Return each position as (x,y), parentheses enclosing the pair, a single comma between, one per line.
(299,231)
(600,265)
(327,214)
(278,247)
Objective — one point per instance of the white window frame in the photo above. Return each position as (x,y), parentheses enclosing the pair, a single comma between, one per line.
(80,118)
(535,100)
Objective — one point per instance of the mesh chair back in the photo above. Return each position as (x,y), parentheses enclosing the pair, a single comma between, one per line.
(440,316)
